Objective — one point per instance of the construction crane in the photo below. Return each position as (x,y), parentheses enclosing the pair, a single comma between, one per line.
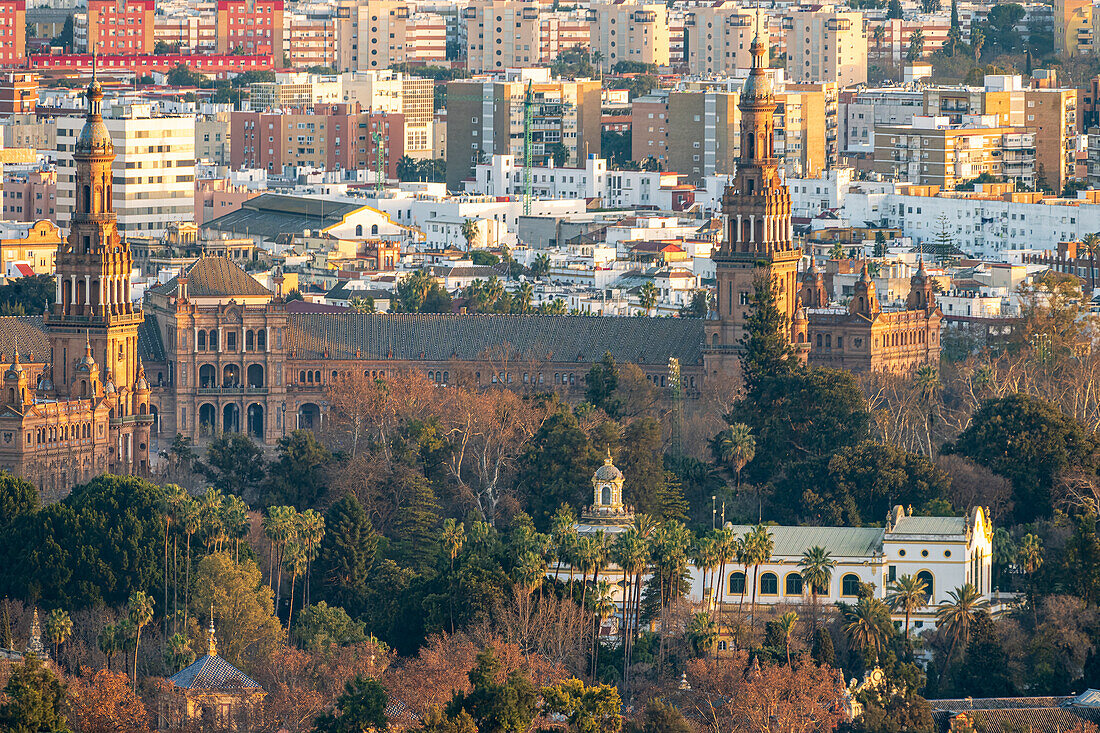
(379,162)
(528,107)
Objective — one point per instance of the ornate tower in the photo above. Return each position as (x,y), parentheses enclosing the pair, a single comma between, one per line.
(757,207)
(922,297)
(93,326)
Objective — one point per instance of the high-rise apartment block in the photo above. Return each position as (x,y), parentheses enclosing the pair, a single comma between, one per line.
(250,26)
(502,34)
(1073,31)
(154,167)
(18,93)
(717,37)
(115,27)
(629,31)
(13,36)
(411,97)
(826,44)
(485,117)
(393,32)
(326,137)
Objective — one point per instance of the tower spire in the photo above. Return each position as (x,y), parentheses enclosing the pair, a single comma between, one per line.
(211,640)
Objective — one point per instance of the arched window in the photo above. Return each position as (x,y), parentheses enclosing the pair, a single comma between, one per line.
(309,377)
(374,230)
(202,341)
(261,340)
(213,340)
(249,341)
(769,584)
(358,230)
(736,583)
(849,585)
(929,584)
(605,496)
(317,376)
(793,584)
(301,376)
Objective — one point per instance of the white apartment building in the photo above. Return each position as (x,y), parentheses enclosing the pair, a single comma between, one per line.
(628,31)
(154,168)
(871,107)
(826,44)
(504,176)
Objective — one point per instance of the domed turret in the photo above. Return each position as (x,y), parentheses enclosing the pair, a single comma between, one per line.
(608,471)
(758,87)
(864,301)
(94,137)
(922,296)
(15,371)
(141,384)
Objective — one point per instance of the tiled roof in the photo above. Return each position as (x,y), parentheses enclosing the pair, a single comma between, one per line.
(952,526)
(965,704)
(840,542)
(270,215)
(1030,719)
(26,333)
(212,673)
(150,346)
(216,277)
(582,340)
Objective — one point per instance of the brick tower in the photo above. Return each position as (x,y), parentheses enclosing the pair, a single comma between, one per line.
(757,207)
(93,321)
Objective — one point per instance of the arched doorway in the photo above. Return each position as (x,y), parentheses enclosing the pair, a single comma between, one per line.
(255,375)
(208,376)
(208,419)
(231,418)
(309,417)
(256,421)
(231,376)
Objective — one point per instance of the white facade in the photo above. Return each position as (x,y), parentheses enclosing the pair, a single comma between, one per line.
(154,168)
(825,43)
(616,189)
(871,107)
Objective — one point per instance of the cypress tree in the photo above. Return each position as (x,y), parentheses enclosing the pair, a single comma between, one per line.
(767,341)
(822,651)
(670,498)
(346,555)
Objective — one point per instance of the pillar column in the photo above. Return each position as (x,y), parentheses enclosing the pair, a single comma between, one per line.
(752,227)
(738,241)
(87,290)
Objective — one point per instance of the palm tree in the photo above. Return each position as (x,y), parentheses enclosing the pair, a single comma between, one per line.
(59,627)
(236,522)
(787,623)
(743,553)
(311,530)
(702,633)
(563,531)
(1031,557)
(927,381)
(541,265)
(176,497)
(140,614)
(706,558)
(867,625)
(1090,243)
(189,523)
(631,553)
(522,302)
(109,643)
(470,232)
(816,567)
(211,519)
(957,614)
(908,593)
(281,528)
(177,653)
(454,537)
(647,297)
(294,560)
(1004,552)
(727,549)
(761,545)
(735,447)
(603,607)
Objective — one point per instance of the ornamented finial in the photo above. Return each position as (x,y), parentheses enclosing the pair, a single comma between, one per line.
(211,642)
(34,644)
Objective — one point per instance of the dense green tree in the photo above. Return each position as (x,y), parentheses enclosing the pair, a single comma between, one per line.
(415,530)
(660,717)
(361,708)
(1082,560)
(26,295)
(868,479)
(496,707)
(97,545)
(894,10)
(557,466)
(600,385)
(34,701)
(234,464)
(800,418)
(767,342)
(298,476)
(671,503)
(891,713)
(18,498)
(1000,27)
(321,627)
(346,555)
(595,709)
(640,459)
(985,671)
(244,610)
(822,650)
(1030,442)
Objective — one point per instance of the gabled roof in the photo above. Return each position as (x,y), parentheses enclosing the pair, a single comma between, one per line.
(150,346)
(270,215)
(212,673)
(581,340)
(215,277)
(945,526)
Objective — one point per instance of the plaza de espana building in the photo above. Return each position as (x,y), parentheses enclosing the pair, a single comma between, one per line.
(97,384)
